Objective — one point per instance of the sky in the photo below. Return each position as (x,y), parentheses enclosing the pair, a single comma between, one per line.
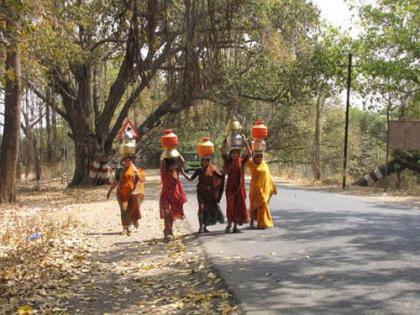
(336,12)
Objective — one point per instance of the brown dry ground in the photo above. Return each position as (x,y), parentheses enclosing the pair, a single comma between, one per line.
(82,265)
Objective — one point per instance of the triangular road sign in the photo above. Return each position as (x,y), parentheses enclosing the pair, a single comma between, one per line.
(130,128)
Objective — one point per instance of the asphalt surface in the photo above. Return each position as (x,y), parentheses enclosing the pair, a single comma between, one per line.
(327,254)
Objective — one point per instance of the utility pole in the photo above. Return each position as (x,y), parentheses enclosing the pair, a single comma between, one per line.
(346,130)
(388,113)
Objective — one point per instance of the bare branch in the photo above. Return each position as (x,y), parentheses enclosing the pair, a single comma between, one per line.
(37,120)
(46,99)
(119,86)
(162,110)
(124,112)
(23,127)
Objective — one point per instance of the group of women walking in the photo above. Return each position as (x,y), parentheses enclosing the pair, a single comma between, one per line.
(210,188)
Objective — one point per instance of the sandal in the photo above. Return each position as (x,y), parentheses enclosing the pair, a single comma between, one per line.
(227,229)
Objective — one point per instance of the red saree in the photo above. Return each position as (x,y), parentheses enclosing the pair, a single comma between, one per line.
(172,197)
(236,210)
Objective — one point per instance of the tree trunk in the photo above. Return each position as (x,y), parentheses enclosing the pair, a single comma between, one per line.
(30,152)
(396,165)
(54,134)
(85,151)
(49,148)
(19,162)
(10,142)
(39,146)
(399,179)
(54,141)
(49,136)
(37,159)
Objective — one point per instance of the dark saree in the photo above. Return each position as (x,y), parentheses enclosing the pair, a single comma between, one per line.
(209,192)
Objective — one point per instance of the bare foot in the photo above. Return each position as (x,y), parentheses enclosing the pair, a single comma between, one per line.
(125,231)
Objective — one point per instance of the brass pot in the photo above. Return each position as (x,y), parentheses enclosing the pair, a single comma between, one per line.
(233,126)
(127,148)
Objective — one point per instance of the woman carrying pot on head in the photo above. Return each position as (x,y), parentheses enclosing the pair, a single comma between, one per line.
(262,188)
(129,181)
(172,197)
(234,167)
(209,188)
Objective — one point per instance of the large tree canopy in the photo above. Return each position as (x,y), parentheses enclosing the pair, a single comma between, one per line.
(78,41)
(93,62)
(100,56)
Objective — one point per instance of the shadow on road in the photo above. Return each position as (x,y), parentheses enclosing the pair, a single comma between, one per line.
(328,253)
(330,262)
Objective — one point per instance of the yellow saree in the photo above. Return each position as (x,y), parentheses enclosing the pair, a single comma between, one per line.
(261,190)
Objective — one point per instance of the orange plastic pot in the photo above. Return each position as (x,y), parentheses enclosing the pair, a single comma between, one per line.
(259,130)
(169,139)
(205,147)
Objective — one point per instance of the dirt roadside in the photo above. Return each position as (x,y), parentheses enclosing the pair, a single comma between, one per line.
(116,274)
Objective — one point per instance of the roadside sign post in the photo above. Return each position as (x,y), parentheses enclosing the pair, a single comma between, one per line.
(402,135)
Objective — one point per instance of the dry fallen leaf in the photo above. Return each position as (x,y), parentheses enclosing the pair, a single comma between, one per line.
(25,310)
(211,275)
(68,263)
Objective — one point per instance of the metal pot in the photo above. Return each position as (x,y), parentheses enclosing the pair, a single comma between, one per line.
(170,154)
(259,145)
(234,139)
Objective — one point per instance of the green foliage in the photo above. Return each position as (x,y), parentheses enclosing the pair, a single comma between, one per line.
(368,141)
(277,61)
(389,52)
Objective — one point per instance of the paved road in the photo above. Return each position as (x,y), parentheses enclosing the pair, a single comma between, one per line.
(327,254)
